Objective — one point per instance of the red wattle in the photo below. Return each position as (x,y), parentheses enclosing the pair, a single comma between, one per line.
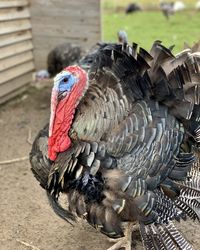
(54,148)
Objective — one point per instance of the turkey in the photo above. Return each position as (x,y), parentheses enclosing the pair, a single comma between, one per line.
(62,56)
(66,54)
(132,7)
(167,9)
(122,144)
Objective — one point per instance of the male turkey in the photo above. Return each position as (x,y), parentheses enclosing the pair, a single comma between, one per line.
(121,144)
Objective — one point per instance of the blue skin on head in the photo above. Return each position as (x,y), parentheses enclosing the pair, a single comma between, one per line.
(65,81)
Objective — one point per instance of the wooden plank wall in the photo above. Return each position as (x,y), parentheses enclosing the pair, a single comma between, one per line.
(58,21)
(16,48)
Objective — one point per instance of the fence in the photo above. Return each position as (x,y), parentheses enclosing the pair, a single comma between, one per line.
(16,56)
(26,39)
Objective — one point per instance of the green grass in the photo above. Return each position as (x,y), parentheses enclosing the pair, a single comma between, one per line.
(145,27)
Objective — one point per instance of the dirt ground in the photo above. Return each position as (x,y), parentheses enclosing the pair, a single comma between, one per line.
(26,219)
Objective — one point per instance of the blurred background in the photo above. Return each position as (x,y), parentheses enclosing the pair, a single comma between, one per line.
(44,36)
(173,22)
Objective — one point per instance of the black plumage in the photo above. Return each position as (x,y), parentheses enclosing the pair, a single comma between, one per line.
(132,7)
(134,139)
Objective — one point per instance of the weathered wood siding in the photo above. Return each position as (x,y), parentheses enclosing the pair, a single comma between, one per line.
(16,56)
(58,21)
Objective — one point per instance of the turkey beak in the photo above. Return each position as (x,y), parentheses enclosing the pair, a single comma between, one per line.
(61,95)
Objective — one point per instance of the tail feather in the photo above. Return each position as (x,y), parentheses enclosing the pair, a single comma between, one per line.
(187,209)
(155,237)
(185,104)
(177,237)
(190,188)
(164,236)
(189,197)
(147,237)
(59,210)
(168,242)
(190,207)
(180,80)
(160,53)
(195,47)
(166,209)
(172,80)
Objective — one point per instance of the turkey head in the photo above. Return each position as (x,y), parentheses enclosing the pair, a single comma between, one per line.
(69,87)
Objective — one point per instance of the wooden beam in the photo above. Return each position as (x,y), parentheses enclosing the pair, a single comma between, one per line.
(14,84)
(14,60)
(14,26)
(73,32)
(16,55)
(13,3)
(65,4)
(18,70)
(49,42)
(14,13)
(15,37)
(68,22)
(66,13)
(15,49)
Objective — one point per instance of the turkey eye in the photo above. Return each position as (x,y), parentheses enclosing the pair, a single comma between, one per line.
(65,79)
